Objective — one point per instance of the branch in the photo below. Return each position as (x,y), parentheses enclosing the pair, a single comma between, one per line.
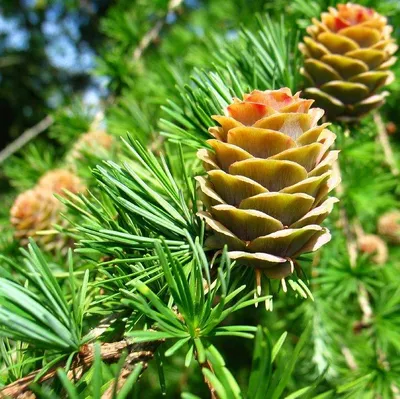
(385,143)
(348,356)
(109,353)
(344,220)
(25,138)
(213,392)
(129,366)
(154,31)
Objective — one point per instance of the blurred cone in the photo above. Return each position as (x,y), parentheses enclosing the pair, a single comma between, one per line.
(391,128)
(89,143)
(373,245)
(389,226)
(58,180)
(35,211)
(347,57)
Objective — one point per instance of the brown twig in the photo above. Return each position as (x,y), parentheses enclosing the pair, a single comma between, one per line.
(130,363)
(344,220)
(213,392)
(154,31)
(118,384)
(109,353)
(25,138)
(365,305)
(385,143)
(363,296)
(348,356)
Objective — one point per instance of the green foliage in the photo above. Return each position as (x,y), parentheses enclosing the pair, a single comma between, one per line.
(195,318)
(70,122)
(268,57)
(139,270)
(29,165)
(149,204)
(126,115)
(41,315)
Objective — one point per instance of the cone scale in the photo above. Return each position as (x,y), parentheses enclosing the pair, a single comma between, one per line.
(348,54)
(268,178)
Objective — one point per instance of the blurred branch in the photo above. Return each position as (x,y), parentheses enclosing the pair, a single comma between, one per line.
(154,31)
(10,60)
(348,356)
(363,296)
(344,220)
(384,140)
(25,138)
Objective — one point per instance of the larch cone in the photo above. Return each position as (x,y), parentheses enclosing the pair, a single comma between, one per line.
(269,172)
(348,54)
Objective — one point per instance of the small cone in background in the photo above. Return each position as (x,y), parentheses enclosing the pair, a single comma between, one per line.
(373,245)
(389,226)
(89,143)
(58,180)
(391,128)
(268,178)
(347,59)
(33,211)
(37,210)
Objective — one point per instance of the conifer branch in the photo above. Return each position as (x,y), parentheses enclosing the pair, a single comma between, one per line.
(348,356)
(344,220)
(363,296)
(131,365)
(152,34)
(25,138)
(385,143)
(153,258)
(207,365)
(109,353)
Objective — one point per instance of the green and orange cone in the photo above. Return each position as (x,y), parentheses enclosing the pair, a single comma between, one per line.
(269,172)
(389,226)
(348,54)
(36,211)
(92,142)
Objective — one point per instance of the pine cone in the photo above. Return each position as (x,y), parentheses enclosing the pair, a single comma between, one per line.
(347,59)
(58,180)
(38,209)
(389,226)
(34,211)
(268,176)
(91,143)
(372,244)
